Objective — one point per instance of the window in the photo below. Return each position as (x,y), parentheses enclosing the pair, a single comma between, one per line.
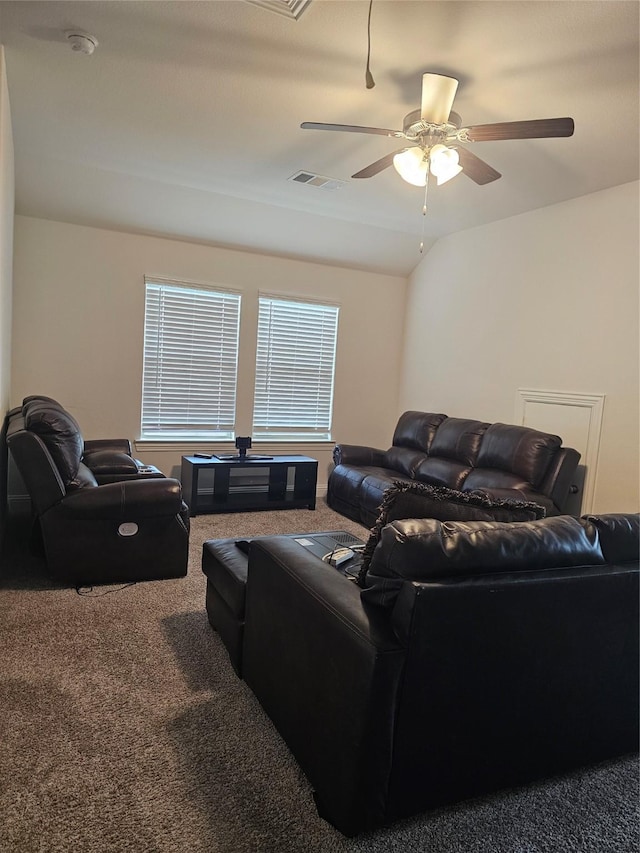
(190,361)
(295,366)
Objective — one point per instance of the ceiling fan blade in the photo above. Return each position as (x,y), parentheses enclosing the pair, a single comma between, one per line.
(438,93)
(350,128)
(536,129)
(475,168)
(379,166)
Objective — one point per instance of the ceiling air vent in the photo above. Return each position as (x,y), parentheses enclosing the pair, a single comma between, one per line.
(320,181)
(289,8)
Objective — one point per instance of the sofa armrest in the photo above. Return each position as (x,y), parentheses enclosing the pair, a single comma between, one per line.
(327,671)
(356,454)
(122,445)
(125,501)
(561,479)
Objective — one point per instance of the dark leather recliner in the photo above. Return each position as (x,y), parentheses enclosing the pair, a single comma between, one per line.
(103,516)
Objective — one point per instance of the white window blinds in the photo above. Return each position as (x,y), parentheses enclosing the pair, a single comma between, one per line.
(190,361)
(295,365)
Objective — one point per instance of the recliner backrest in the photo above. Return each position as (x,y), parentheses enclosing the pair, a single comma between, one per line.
(60,433)
(453,452)
(513,457)
(416,430)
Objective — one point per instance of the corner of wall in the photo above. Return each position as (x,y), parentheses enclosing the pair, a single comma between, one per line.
(7,204)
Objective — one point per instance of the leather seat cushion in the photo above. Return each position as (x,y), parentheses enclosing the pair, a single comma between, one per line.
(443,472)
(348,480)
(404,460)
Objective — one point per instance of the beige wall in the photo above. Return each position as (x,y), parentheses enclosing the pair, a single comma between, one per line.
(6,235)
(546,300)
(78,324)
(6,264)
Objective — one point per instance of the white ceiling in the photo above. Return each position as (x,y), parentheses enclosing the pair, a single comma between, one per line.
(185,121)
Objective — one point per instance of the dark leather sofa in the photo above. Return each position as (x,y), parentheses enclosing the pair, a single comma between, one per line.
(500,460)
(102,516)
(478,655)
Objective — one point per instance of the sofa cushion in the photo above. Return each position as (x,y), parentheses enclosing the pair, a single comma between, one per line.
(619,536)
(404,460)
(431,550)
(521,451)
(416,430)
(419,500)
(453,451)
(60,433)
(490,479)
(443,472)
(347,482)
(458,439)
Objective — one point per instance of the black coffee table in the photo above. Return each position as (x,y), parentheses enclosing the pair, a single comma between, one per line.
(239,484)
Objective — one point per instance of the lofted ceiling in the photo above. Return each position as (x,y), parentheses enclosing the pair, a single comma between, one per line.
(185,121)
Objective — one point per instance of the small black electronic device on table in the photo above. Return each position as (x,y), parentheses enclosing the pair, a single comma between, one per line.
(244,482)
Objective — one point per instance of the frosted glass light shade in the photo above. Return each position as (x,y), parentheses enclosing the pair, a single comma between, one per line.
(444,163)
(412,166)
(438,93)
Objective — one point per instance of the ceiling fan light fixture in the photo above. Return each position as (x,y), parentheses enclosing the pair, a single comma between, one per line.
(412,165)
(444,163)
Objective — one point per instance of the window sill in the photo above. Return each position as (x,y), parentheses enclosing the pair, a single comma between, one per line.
(185,447)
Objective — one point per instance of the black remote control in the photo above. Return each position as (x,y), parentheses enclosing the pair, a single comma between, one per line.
(204,455)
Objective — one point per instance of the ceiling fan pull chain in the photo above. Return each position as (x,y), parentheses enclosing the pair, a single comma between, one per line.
(424,211)
(368,75)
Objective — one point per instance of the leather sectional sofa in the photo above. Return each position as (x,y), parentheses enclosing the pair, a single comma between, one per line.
(499,460)
(477,655)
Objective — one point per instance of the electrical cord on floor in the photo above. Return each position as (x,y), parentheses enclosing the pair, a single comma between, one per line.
(88,592)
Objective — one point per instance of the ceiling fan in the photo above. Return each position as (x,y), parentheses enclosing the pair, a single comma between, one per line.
(434,133)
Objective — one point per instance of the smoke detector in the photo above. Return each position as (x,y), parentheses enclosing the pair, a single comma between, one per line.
(81,42)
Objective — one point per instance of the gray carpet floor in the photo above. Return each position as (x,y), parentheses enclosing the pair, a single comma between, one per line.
(124,728)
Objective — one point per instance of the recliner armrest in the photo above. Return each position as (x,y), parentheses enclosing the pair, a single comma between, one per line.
(356,454)
(126,501)
(110,461)
(561,477)
(327,670)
